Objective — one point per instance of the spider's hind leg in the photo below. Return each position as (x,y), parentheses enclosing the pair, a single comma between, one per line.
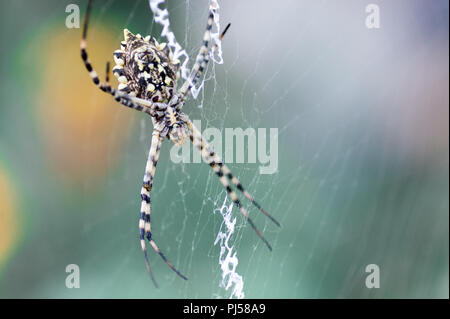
(202,58)
(121,97)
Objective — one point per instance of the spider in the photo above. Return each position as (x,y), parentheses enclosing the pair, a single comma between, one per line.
(147,73)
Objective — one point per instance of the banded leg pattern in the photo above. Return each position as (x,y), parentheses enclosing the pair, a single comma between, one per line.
(125,99)
(202,58)
(222,172)
(144,220)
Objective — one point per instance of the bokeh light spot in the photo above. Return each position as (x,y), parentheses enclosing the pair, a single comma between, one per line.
(83,128)
(8,216)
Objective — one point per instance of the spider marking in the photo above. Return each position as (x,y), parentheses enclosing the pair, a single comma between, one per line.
(147,73)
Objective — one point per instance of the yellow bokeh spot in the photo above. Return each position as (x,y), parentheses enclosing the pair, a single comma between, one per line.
(83,128)
(8,217)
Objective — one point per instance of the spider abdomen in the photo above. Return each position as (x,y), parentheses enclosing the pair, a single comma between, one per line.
(146,68)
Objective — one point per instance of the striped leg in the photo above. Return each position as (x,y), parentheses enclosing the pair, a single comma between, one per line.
(226,171)
(107,73)
(221,169)
(202,58)
(241,188)
(144,221)
(121,97)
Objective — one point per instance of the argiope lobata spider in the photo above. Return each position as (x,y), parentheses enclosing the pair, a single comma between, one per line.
(147,73)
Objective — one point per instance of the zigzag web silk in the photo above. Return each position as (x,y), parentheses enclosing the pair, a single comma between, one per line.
(335,162)
(192,213)
(228,259)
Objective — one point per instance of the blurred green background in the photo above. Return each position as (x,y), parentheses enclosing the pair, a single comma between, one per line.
(363,153)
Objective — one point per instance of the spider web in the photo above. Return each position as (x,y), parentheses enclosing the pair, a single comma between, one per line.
(362,178)
(349,177)
(228,259)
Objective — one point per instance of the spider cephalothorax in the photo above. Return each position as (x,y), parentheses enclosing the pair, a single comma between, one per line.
(178,130)
(146,68)
(147,74)
(173,124)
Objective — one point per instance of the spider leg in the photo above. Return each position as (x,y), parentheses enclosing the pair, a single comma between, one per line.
(107,73)
(202,58)
(219,168)
(121,97)
(241,188)
(144,221)
(233,179)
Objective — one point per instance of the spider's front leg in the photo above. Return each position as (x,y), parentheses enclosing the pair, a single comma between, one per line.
(144,220)
(222,170)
